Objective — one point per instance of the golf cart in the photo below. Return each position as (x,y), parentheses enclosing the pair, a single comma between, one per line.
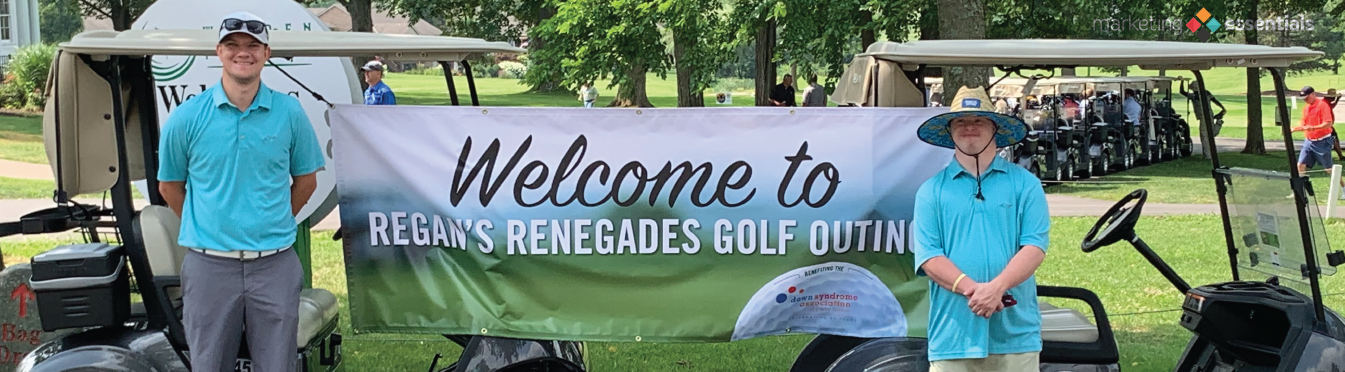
(888,72)
(1175,129)
(101,130)
(1061,141)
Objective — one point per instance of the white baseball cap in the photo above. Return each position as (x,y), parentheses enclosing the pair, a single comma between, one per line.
(244,23)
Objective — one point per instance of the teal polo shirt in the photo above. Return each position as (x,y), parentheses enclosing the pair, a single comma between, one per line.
(237,165)
(980,237)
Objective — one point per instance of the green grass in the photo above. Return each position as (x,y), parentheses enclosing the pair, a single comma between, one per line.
(21,139)
(433,90)
(18,188)
(1141,304)
(1183,181)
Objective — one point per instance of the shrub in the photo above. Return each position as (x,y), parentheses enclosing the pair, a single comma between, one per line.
(26,75)
(435,70)
(11,95)
(513,70)
(734,84)
(489,71)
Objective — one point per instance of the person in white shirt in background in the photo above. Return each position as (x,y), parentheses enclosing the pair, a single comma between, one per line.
(814,94)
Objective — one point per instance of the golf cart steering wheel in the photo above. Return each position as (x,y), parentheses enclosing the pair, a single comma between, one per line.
(1119,222)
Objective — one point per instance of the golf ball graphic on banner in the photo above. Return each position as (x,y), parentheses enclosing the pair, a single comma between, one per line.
(834,298)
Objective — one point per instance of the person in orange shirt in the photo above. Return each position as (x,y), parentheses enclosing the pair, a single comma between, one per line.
(1317,127)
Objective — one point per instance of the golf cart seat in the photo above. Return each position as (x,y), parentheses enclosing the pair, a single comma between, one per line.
(158,227)
(1065,325)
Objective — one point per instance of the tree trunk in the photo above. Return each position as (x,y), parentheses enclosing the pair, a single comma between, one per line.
(866,37)
(962,19)
(361,15)
(361,20)
(1256,143)
(632,92)
(765,60)
(121,19)
(536,43)
(929,30)
(685,96)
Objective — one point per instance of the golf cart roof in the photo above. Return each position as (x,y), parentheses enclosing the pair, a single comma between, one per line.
(285,44)
(1043,52)
(82,147)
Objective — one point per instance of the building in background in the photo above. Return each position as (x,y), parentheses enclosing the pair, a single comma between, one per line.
(18,26)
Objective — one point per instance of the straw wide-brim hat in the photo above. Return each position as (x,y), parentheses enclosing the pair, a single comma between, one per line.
(936,131)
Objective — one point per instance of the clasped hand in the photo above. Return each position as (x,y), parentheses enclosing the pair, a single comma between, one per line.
(985,299)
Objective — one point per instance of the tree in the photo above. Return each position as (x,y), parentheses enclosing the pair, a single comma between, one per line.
(121,12)
(827,33)
(1256,142)
(700,45)
(757,22)
(962,19)
(590,39)
(361,14)
(60,20)
(496,20)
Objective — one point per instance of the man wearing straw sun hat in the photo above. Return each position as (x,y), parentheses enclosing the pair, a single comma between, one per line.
(981,232)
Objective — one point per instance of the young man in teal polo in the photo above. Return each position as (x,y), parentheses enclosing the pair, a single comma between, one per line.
(237,163)
(981,231)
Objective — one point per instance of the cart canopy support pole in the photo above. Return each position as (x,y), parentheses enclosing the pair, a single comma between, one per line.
(448,76)
(1205,116)
(123,206)
(471,82)
(1299,184)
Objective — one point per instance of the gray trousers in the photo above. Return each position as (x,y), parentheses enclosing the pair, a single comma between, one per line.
(220,295)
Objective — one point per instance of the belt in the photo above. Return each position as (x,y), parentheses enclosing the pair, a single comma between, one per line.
(241,255)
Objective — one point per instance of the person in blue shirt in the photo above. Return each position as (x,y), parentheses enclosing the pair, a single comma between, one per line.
(1131,107)
(237,163)
(981,230)
(378,92)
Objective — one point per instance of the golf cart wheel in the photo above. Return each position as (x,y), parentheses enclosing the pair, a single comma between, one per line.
(1065,172)
(1106,164)
(824,350)
(1086,173)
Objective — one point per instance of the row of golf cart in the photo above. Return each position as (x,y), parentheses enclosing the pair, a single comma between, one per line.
(1078,127)
(101,134)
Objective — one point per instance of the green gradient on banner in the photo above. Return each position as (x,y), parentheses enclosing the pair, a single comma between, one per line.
(523,288)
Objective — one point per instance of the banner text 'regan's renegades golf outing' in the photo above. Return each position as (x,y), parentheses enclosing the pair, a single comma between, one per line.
(632,224)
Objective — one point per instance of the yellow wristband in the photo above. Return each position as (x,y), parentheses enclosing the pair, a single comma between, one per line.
(959,280)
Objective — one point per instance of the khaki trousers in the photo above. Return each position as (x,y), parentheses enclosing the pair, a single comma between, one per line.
(1022,362)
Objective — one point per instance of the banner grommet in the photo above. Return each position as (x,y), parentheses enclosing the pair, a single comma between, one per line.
(483,331)
(639,112)
(484,111)
(791,112)
(638,339)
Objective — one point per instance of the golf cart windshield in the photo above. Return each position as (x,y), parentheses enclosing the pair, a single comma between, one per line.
(1266,226)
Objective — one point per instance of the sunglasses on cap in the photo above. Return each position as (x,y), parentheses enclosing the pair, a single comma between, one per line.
(235,24)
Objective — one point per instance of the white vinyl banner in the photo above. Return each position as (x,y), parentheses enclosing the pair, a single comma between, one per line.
(632,224)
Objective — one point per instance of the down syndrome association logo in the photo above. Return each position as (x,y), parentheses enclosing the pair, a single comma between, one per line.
(781,298)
